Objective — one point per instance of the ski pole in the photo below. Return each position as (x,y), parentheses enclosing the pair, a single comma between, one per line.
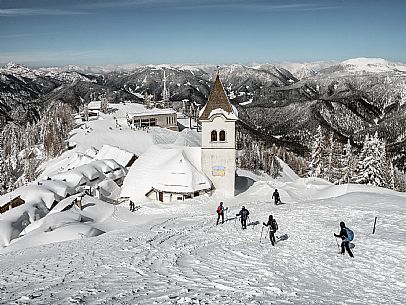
(339,251)
(261,233)
(267,232)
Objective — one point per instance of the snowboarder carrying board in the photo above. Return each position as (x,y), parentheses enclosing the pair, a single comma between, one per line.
(346,235)
(243,216)
(273,227)
(220,213)
(276,197)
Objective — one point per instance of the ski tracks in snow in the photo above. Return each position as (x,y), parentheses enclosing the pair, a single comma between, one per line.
(189,260)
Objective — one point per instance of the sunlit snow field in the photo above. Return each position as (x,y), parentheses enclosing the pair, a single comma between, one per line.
(174,254)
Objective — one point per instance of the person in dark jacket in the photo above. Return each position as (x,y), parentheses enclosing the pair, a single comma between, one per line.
(273,227)
(243,216)
(345,244)
(276,197)
(220,213)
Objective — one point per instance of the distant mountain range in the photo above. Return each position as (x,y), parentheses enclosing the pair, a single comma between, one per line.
(282,103)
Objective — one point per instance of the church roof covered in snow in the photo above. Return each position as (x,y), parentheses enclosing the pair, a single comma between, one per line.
(217,100)
(172,169)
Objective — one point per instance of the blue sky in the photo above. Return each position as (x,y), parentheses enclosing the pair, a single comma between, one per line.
(49,32)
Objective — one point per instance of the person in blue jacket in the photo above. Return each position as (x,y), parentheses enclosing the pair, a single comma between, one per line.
(345,244)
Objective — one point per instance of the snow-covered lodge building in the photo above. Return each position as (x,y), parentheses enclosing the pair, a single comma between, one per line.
(165,118)
(168,173)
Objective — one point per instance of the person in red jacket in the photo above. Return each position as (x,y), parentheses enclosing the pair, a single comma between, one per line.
(220,213)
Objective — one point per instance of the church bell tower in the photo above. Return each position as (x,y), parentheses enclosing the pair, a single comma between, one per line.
(217,120)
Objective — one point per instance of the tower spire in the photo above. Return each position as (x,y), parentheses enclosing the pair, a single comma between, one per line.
(165,91)
(217,100)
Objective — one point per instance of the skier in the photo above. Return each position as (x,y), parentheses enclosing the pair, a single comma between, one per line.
(345,244)
(276,197)
(273,227)
(243,216)
(220,213)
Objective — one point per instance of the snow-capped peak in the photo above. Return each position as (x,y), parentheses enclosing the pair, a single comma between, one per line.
(377,65)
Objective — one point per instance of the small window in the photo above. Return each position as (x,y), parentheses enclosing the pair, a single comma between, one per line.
(144,122)
(222,135)
(214,136)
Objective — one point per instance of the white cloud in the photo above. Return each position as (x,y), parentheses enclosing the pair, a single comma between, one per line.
(256,5)
(10,12)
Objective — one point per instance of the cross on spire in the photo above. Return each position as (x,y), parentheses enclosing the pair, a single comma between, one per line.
(217,70)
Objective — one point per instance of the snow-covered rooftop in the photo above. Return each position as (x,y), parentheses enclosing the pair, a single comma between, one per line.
(180,176)
(32,193)
(151,112)
(94,105)
(91,173)
(165,168)
(121,156)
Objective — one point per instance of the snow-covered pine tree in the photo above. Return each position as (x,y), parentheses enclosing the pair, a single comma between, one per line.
(276,168)
(55,127)
(371,167)
(391,176)
(328,157)
(316,166)
(400,180)
(347,163)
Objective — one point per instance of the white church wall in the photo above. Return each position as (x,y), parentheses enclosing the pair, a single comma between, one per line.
(219,166)
(218,157)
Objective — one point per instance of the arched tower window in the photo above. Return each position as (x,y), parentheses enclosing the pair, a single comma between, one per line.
(222,135)
(213,136)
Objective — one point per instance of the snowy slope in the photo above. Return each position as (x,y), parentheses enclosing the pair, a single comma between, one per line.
(174,254)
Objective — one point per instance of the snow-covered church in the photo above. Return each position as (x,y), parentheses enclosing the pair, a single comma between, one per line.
(171,172)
